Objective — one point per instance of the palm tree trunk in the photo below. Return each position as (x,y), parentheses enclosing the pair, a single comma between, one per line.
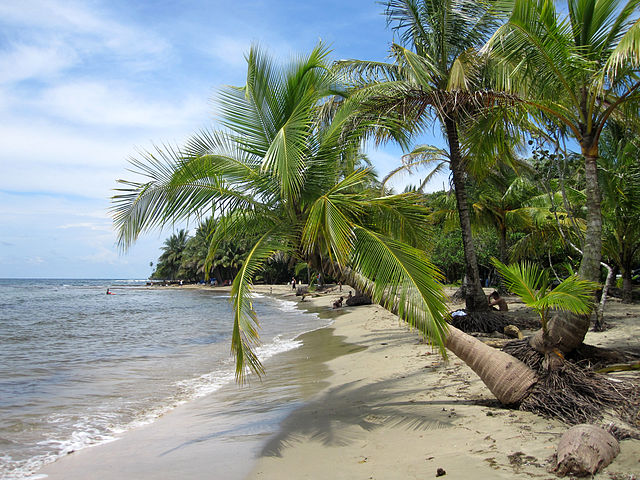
(592,248)
(502,244)
(507,377)
(566,331)
(475,298)
(627,285)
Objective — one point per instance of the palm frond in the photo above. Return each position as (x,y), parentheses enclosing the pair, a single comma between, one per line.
(573,294)
(525,279)
(245,335)
(626,54)
(405,282)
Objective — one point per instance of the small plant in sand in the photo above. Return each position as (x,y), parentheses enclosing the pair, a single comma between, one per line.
(531,283)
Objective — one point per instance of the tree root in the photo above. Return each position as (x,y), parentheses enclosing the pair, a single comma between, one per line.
(574,393)
(489,321)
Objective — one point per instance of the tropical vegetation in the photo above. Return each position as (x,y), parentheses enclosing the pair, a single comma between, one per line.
(284,180)
(286,175)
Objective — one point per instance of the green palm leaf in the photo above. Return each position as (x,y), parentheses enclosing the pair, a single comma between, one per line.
(405,282)
(245,335)
(531,284)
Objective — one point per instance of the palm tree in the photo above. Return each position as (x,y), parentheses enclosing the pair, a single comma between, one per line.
(531,284)
(620,180)
(171,257)
(438,75)
(576,71)
(506,202)
(277,175)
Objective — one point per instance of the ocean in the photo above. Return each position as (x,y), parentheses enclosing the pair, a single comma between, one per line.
(79,368)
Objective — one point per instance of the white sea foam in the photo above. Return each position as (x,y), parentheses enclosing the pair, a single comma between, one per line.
(286,305)
(203,385)
(277,345)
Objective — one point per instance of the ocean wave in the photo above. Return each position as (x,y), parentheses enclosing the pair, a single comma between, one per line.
(276,346)
(287,305)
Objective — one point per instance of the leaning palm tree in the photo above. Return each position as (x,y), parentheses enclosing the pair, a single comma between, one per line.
(279,174)
(437,75)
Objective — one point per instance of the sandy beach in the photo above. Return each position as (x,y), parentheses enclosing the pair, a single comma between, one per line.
(372,402)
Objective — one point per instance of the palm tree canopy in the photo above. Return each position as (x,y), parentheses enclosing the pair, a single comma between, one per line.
(279,172)
(575,68)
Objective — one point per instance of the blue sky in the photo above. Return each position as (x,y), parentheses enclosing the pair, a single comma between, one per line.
(84,85)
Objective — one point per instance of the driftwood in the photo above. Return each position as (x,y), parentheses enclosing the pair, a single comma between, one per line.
(585,450)
(495,342)
(358,300)
(620,367)
(512,331)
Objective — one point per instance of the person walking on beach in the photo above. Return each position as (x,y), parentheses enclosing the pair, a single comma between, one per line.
(293,283)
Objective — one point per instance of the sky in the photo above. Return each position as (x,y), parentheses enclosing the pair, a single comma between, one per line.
(86,85)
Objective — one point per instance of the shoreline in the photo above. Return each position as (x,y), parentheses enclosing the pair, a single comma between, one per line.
(386,407)
(216,420)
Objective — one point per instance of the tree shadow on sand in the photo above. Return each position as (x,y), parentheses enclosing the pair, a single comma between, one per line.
(331,418)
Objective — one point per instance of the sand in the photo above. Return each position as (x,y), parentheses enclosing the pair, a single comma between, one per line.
(396,410)
(379,405)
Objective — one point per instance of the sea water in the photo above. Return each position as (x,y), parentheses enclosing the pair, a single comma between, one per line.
(79,367)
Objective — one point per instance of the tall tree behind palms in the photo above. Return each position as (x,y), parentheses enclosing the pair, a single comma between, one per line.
(577,71)
(506,202)
(436,75)
(620,180)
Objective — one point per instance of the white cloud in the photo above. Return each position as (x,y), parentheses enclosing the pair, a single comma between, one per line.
(74,19)
(35,260)
(42,156)
(95,227)
(24,61)
(96,103)
(104,255)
